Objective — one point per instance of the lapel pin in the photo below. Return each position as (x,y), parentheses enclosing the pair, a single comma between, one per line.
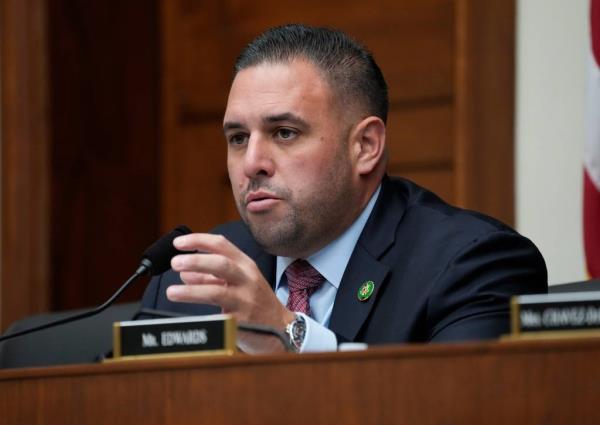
(366,290)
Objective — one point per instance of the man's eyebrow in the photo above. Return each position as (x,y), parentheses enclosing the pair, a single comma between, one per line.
(232,125)
(270,119)
(286,116)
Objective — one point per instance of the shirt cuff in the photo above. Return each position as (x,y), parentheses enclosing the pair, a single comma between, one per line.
(317,337)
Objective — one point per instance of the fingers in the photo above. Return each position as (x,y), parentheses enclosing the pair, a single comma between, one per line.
(201,294)
(194,278)
(206,242)
(215,255)
(216,265)
(219,273)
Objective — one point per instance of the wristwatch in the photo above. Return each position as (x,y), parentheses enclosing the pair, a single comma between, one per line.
(296,331)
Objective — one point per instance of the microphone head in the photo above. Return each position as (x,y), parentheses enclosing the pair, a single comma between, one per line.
(157,257)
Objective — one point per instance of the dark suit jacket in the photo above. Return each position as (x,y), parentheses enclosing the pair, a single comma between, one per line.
(441,273)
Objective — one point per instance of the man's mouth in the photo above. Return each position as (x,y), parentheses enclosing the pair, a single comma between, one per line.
(260,201)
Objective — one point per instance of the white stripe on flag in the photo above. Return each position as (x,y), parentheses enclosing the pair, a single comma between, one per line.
(592,147)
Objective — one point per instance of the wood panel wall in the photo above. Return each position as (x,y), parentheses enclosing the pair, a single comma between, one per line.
(448,63)
(104,152)
(80,197)
(484,106)
(111,122)
(25,212)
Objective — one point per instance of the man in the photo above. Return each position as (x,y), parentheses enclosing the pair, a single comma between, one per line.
(330,249)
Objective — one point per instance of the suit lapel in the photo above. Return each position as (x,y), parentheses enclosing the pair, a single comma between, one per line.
(349,313)
(266,265)
(264,261)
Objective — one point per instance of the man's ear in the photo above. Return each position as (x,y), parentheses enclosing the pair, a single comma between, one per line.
(368,144)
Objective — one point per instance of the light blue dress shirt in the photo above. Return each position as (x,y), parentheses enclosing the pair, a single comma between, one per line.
(331,262)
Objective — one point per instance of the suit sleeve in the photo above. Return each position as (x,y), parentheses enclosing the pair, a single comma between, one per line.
(470,299)
(150,297)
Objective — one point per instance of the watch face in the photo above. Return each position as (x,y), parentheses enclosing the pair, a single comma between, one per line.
(297,331)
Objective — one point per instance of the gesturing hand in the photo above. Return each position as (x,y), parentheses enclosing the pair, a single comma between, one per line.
(220,274)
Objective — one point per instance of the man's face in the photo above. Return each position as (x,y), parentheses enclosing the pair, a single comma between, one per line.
(289,157)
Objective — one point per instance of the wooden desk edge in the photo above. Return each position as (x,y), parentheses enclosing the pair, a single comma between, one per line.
(406,351)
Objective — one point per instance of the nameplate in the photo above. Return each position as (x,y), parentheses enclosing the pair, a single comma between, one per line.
(556,314)
(214,334)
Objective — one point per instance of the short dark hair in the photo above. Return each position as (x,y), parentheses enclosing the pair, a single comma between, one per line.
(348,66)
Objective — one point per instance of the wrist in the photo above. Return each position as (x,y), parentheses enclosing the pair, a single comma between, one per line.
(288,317)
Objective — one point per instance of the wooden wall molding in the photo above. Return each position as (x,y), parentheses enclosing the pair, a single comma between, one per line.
(25,160)
(103,66)
(484,112)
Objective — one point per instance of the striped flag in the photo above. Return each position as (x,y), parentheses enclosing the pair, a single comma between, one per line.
(591,190)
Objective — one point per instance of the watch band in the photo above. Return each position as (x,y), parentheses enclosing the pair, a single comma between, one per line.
(296,331)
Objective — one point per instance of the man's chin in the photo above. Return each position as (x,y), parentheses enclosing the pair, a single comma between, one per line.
(273,239)
(266,217)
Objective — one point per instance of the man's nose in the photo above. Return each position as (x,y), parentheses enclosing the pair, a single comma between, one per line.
(258,159)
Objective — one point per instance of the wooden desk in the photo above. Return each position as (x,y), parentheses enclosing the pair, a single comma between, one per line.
(533,382)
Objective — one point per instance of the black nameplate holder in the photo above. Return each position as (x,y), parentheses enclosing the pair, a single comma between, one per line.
(180,336)
(566,314)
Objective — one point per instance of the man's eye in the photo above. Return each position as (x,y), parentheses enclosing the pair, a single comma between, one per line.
(286,133)
(238,139)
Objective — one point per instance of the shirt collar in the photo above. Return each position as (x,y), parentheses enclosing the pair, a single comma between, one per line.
(331,260)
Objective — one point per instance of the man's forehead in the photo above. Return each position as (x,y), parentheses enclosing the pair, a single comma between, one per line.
(274,89)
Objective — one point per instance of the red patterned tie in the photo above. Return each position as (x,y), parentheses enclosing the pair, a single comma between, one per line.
(303,281)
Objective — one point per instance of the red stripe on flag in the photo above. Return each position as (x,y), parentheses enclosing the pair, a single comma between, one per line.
(591,224)
(595,29)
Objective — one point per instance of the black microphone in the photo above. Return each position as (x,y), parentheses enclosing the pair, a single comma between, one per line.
(157,257)
(155,260)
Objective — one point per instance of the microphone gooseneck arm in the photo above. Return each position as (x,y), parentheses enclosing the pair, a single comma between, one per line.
(79,316)
(156,260)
